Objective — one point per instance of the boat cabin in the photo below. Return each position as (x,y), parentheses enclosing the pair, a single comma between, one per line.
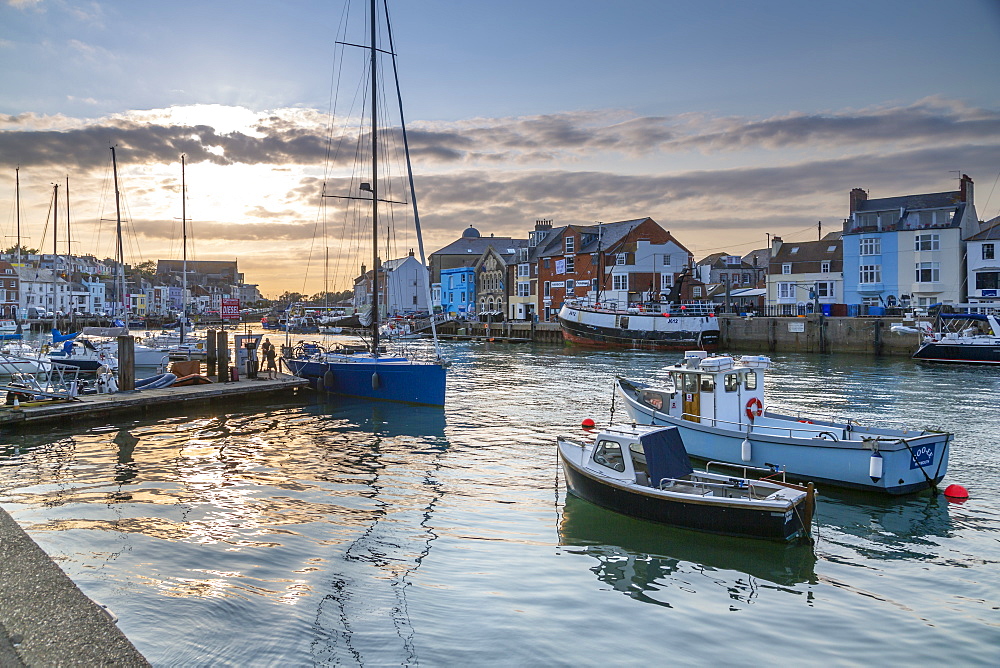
(645,459)
(714,390)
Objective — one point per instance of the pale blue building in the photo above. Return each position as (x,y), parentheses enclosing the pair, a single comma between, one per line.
(909,250)
(458,291)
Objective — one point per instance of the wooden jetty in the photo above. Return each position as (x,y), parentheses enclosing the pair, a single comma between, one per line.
(143,401)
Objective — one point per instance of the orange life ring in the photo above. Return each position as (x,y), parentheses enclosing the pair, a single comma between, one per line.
(754,408)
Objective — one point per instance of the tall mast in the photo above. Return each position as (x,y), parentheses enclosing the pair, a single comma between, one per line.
(17,200)
(55,252)
(184,234)
(119,248)
(413,190)
(375,307)
(69,239)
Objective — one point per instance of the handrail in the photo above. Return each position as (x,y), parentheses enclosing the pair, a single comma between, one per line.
(702,484)
(749,428)
(746,468)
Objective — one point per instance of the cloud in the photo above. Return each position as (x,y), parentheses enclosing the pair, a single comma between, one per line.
(298,137)
(258,177)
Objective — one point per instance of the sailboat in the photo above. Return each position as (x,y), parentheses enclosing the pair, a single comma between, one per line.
(369,374)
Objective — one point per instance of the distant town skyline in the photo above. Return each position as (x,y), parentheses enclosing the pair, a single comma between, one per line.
(723,122)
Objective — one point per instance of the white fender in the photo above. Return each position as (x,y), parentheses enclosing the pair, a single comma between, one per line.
(875,466)
(745,451)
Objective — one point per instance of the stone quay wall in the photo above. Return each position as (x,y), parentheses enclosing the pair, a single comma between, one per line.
(809,334)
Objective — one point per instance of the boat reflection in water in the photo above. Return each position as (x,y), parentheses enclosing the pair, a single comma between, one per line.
(888,528)
(382,418)
(637,557)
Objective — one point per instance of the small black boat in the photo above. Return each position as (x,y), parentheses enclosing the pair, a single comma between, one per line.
(645,472)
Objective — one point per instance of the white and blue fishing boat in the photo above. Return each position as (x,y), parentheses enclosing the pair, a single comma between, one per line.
(718,404)
(372,374)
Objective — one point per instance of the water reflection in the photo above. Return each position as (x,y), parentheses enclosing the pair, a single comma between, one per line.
(405,450)
(125,470)
(903,528)
(638,557)
(384,419)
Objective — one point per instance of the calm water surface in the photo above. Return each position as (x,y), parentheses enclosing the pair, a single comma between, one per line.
(350,533)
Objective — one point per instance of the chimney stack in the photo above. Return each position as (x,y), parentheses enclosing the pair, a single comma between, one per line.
(858,197)
(965,188)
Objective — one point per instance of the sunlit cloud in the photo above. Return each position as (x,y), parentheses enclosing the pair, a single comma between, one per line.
(255,178)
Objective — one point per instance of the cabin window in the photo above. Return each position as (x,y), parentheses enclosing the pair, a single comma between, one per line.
(654,399)
(707,384)
(751,381)
(732,382)
(609,453)
(623,322)
(690,381)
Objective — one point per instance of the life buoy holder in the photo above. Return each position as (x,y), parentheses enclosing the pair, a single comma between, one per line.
(754,408)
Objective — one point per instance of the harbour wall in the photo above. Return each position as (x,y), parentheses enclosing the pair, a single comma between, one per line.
(808,334)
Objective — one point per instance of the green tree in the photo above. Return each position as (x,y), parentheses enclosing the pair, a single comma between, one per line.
(146,269)
(24,251)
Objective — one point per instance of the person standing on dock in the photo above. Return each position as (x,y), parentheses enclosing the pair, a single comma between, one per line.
(269,356)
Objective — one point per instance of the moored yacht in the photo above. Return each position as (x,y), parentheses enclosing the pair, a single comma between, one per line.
(962,337)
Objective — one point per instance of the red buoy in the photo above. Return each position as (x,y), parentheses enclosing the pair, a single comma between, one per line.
(956,493)
(588,423)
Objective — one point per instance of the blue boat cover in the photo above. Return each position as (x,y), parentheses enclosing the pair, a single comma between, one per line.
(59,337)
(665,454)
(963,316)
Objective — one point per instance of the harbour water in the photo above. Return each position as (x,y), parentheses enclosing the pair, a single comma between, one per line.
(334,532)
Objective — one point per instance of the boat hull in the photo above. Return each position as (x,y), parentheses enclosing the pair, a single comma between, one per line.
(958,352)
(592,327)
(907,467)
(82,363)
(399,381)
(765,523)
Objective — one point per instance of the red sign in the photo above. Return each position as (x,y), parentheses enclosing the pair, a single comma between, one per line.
(230,309)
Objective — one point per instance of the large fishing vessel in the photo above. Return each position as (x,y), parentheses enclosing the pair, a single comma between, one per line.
(653,325)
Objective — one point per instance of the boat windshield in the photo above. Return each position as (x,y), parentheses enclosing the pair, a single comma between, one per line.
(609,454)
(654,399)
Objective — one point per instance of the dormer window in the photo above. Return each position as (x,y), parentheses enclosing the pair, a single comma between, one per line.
(570,244)
(786,268)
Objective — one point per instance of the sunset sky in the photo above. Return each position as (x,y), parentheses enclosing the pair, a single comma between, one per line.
(723,121)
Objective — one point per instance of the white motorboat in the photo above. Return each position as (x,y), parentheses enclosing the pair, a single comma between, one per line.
(645,472)
(16,357)
(718,404)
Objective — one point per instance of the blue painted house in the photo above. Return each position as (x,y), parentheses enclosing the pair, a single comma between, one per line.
(458,291)
(908,250)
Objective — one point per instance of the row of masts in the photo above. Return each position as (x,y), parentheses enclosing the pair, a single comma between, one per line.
(119,247)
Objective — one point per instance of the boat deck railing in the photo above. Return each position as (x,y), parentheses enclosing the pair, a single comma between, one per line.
(772,470)
(48,379)
(736,488)
(644,308)
(818,431)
